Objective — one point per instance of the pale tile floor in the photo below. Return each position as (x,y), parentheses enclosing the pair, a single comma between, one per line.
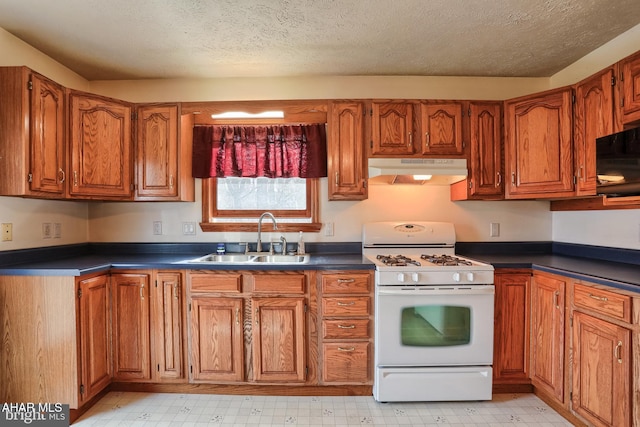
(165,409)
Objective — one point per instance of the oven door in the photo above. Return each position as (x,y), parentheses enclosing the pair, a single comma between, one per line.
(434,325)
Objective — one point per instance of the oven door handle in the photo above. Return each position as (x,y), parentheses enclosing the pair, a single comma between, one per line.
(436,290)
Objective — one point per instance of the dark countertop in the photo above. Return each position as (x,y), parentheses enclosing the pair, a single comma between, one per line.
(591,263)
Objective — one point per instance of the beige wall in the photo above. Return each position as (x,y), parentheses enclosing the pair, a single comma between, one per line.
(132,222)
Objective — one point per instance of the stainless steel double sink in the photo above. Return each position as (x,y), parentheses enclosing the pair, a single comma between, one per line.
(251,258)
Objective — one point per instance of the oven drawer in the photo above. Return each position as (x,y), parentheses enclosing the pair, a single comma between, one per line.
(345,306)
(345,329)
(346,362)
(346,283)
(604,302)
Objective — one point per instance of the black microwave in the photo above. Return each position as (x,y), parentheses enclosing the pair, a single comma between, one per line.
(618,163)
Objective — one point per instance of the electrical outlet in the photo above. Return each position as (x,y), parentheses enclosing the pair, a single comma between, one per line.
(7,232)
(57,230)
(157,227)
(494,229)
(46,230)
(328,229)
(189,228)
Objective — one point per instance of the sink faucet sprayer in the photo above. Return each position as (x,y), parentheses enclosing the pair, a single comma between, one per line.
(275,227)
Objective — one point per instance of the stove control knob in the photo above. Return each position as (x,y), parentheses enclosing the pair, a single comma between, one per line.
(415,277)
(456,277)
(470,277)
(401,277)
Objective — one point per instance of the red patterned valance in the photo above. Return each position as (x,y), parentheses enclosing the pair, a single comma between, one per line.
(280,151)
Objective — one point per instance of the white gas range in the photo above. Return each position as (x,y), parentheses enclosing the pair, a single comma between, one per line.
(433,314)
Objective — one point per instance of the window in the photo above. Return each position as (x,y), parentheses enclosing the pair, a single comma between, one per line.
(235,204)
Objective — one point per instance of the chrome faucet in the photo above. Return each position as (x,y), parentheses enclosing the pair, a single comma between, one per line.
(275,227)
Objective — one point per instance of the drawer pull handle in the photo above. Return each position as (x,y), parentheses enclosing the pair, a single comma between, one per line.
(353,349)
(257,316)
(237,316)
(346,326)
(599,298)
(346,280)
(342,304)
(618,352)
(175,291)
(142,291)
(556,297)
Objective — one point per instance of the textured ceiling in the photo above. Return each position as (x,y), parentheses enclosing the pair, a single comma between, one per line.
(141,39)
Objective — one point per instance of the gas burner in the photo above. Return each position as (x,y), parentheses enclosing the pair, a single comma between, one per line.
(396,260)
(446,260)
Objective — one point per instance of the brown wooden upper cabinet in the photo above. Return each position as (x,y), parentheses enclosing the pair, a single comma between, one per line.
(32,126)
(345,146)
(163,154)
(100,147)
(630,88)
(538,146)
(441,129)
(391,128)
(485,180)
(593,118)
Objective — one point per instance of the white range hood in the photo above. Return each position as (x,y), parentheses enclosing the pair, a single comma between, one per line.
(416,171)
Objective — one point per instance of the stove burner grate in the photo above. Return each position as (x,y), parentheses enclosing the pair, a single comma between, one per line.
(397,260)
(446,260)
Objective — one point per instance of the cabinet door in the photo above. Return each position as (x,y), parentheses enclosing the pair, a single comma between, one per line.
(157,152)
(601,371)
(131,326)
(511,328)
(442,129)
(547,334)
(47,136)
(346,160)
(391,128)
(485,165)
(594,117)
(630,89)
(166,326)
(538,149)
(100,145)
(95,345)
(216,352)
(278,339)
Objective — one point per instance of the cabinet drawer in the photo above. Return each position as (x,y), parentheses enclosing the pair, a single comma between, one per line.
(346,283)
(279,282)
(346,362)
(345,329)
(345,306)
(604,302)
(215,282)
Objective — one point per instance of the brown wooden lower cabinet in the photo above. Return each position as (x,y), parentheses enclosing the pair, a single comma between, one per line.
(511,329)
(548,334)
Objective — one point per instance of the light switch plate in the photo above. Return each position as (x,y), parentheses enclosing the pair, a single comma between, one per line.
(494,229)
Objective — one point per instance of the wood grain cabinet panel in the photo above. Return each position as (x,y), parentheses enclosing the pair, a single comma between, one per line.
(32,118)
(511,328)
(601,371)
(593,118)
(163,154)
(441,125)
(538,146)
(167,310)
(131,350)
(630,88)
(391,128)
(216,343)
(346,147)
(100,147)
(548,334)
(95,338)
(278,339)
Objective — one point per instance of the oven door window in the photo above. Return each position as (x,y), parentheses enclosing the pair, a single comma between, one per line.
(435,325)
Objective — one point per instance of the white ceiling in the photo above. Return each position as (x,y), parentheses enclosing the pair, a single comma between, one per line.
(142,39)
